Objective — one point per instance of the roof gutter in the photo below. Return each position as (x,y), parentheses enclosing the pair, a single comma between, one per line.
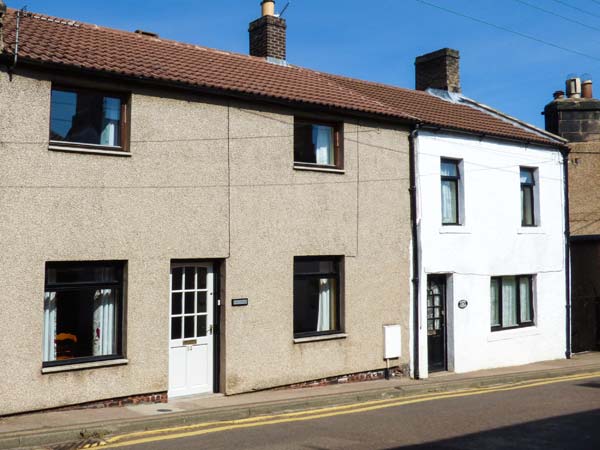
(435,128)
(54,69)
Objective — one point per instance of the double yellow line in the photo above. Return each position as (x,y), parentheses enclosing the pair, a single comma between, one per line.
(164,434)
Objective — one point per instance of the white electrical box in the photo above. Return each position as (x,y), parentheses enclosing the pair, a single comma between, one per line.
(392,341)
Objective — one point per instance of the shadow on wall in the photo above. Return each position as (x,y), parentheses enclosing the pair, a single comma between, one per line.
(576,431)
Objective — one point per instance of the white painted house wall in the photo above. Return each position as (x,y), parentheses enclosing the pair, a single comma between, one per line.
(491,242)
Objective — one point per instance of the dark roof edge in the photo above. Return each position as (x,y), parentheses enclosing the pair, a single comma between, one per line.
(63,69)
(553,146)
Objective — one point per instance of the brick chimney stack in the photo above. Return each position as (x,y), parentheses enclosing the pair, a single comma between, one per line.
(2,14)
(268,34)
(438,70)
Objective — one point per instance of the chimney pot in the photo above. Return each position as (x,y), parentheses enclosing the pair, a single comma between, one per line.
(558,95)
(268,7)
(268,34)
(586,89)
(574,87)
(438,70)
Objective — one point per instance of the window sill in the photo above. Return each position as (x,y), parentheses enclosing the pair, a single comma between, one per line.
(514,333)
(530,230)
(319,169)
(90,149)
(454,229)
(82,366)
(324,337)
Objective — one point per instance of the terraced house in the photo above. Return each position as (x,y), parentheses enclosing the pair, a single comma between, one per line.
(178,220)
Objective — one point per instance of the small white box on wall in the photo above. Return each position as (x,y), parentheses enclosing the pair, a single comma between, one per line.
(392,336)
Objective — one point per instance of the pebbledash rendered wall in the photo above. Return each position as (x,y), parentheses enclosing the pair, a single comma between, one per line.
(492,243)
(206,179)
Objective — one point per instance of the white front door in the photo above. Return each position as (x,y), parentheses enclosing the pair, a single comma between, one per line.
(191,329)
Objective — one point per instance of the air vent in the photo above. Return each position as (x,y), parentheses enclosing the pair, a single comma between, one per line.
(147,33)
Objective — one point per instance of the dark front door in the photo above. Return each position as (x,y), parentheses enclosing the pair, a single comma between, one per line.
(436,322)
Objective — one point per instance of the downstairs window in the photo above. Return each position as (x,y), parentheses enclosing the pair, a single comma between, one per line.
(83,304)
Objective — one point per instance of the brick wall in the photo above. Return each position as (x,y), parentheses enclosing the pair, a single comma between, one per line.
(438,70)
(268,37)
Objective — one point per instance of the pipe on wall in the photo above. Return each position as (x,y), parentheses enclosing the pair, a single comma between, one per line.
(415,246)
(565,155)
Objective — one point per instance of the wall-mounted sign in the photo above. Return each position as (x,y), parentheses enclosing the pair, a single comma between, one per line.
(239,302)
(463,304)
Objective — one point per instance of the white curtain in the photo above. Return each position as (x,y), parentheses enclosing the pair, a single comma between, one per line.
(509,301)
(524,293)
(112,117)
(495,317)
(104,322)
(324,144)
(49,326)
(327,314)
(449,213)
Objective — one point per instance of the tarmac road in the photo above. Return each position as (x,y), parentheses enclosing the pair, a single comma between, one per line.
(551,415)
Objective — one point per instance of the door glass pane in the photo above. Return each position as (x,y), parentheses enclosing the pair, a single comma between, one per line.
(176,274)
(525,298)
(176,328)
(201,326)
(201,302)
(509,301)
(189,303)
(201,277)
(189,327)
(190,277)
(176,307)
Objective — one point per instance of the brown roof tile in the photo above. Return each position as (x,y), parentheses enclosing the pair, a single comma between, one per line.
(53,40)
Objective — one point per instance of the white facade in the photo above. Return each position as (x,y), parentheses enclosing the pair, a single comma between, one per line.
(491,242)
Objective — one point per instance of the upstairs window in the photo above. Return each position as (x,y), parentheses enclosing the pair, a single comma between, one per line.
(511,302)
(316,296)
(87,118)
(82,312)
(317,144)
(527,197)
(450,181)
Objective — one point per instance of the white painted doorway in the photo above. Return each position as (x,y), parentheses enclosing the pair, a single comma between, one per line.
(191,329)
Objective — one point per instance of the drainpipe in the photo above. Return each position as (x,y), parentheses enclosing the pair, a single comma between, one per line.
(565,155)
(415,246)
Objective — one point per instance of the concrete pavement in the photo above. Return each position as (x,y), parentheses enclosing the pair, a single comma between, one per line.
(46,428)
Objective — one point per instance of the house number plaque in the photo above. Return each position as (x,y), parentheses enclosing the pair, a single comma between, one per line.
(463,304)
(239,302)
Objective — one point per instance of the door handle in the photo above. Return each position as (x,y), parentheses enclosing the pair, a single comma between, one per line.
(210,329)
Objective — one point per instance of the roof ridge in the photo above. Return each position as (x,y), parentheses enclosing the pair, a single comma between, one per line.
(331,80)
(376,83)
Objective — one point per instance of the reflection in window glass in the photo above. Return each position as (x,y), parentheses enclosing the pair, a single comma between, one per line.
(85,117)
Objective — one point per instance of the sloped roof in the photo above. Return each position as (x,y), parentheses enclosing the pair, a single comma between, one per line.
(51,40)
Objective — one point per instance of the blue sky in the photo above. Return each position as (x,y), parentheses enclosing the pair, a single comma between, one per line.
(378,40)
